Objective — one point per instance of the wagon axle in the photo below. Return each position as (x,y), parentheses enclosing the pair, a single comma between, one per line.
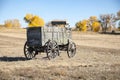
(51,49)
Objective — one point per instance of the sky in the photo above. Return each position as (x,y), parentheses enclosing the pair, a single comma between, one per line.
(70,10)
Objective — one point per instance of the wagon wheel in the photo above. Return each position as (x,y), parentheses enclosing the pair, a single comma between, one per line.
(71,51)
(52,49)
(29,52)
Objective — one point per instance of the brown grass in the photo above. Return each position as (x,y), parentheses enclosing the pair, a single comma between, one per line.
(97,58)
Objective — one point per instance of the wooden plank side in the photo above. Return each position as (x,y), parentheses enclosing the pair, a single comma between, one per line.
(60,35)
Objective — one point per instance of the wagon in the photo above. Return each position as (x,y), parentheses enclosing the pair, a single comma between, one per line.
(50,40)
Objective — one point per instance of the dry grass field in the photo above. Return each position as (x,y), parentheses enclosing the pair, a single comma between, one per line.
(97,58)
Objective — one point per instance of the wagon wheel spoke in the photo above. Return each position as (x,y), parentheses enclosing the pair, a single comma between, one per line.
(29,56)
(29,52)
(56,52)
(50,55)
(71,49)
(52,49)
(55,46)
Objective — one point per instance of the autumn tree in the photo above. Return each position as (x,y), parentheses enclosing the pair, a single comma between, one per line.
(107,21)
(12,23)
(91,24)
(78,25)
(118,15)
(93,18)
(16,23)
(94,24)
(34,20)
(82,25)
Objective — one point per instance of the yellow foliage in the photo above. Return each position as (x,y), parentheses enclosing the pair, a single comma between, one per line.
(96,26)
(84,22)
(28,16)
(82,25)
(93,18)
(14,23)
(84,28)
(91,24)
(8,23)
(34,21)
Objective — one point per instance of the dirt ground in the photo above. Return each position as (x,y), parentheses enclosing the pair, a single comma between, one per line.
(97,58)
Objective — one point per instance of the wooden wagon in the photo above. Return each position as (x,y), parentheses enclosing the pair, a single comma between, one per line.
(50,40)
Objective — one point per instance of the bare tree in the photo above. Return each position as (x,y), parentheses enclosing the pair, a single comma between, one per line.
(107,20)
(92,23)
(16,23)
(118,14)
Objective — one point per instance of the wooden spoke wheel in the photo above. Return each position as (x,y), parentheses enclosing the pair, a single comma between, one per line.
(29,52)
(71,51)
(52,49)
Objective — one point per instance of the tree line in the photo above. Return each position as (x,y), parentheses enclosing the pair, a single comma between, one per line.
(13,23)
(104,23)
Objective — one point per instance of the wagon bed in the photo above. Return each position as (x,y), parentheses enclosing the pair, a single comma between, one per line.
(49,40)
(38,36)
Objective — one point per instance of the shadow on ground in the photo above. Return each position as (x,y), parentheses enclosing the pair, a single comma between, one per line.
(10,59)
(110,33)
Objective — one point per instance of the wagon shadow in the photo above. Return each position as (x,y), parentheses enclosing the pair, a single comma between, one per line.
(10,59)
(45,58)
